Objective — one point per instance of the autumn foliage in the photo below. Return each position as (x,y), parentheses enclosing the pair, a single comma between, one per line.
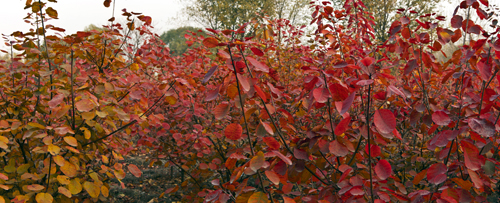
(254,119)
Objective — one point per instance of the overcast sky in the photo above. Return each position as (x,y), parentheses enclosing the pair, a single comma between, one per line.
(74,15)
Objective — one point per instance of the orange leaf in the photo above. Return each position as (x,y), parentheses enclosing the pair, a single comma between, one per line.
(233,131)
(257,161)
(134,170)
(64,191)
(85,105)
(258,197)
(35,187)
(271,143)
(71,141)
(210,42)
(221,110)
(261,94)
(273,177)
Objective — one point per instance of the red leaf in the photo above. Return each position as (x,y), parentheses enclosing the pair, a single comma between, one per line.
(383,169)
(368,61)
(221,110)
(233,131)
(473,160)
(261,94)
(271,143)
(346,104)
(456,21)
(396,90)
(342,126)
(482,127)
(267,127)
(300,154)
(210,42)
(484,70)
(338,149)
(283,157)
(211,95)
(134,170)
(209,74)
(441,118)
(375,150)
(412,64)
(243,82)
(257,52)
(309,85)
(476,179)
(384,121)
(364,82)
(436,174)
(339,92)
(442,138)
(56,100)
(321,95)
(258,65)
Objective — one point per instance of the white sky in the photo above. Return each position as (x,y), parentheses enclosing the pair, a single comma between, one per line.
(74,15)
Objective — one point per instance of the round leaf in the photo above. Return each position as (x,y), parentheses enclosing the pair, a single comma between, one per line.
(441,118)
(436,174)
(233,131)
(258,197)
(210,42)
(383,169)
(44,198)
(384,121)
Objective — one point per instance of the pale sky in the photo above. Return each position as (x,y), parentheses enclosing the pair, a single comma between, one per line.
(74,15)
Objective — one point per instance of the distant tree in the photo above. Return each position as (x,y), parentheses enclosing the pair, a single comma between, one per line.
(228,14)
(385,12)
(93,27)
(175,39)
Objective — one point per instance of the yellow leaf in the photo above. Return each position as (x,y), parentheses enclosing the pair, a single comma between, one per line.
(86,133)
(69,169)
(53,149)
(4,139)
(23,168)
(134,67)
(88,115)
(75,187)
(64,191)
(63,179)
(92,189)
(71,141)
(104,191)
(171,100)
(51,12)
(36,125)
(2,200)
(59,160)
(44,198)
